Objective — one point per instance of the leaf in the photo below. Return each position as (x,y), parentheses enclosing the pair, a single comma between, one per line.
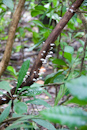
(68,56)
(38,23)
(20,107)
(5,85)
(12,71)
(49,78)
(36,12)
(69,49)
(55,3)
(38,102)
(22,72)
(36,45)
(34,91)
(79,34)
(76,101)
(78,87)
(72,117)
(59,78)
(13,126)
(44,123)
(9,3)
(5,113)
(58,61)
(35,85)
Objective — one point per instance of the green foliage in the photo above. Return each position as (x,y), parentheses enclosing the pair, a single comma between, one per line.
(9,3)
(12,71)
(5,113)
(78,88)
(22,72)
(71,117)
(45,124)
(20,107)
(68,64)
(5,85)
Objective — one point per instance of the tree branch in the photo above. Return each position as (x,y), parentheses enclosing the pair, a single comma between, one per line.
(16,17)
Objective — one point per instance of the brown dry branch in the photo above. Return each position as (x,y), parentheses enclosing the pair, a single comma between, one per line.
(16,17)
(46,47)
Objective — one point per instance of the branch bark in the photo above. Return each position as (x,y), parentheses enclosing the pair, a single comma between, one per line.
(46,47)
(16,17)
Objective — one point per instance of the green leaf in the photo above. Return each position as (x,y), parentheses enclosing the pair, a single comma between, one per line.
(72,117)
(35,85)
(9,3)
(69,49)
(68,56)
(52,78)
(12,71)
(45,124)
(20,107)
(76,101)
(78,87)
(38,102)
(79,34)
(36,45)
(36,12)
(5,113)
(40,7)
(58,61)
(38,23)
(5,85)
(22,72)
(13,126)
(55,3)
(59,78)
(34,91)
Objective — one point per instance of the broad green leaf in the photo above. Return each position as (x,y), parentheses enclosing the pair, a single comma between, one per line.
(36,12)
(33,91)
(40,7)
(59,79)
(68,56)
(51,77)
(38,102)
(9,3)
(72,117)
(22,72)
(5,113)
(76,101)
(45,124)
(58,61)
(5,85)
(55,3)
(20,107)
(35,85)
(78,87)
(69,49)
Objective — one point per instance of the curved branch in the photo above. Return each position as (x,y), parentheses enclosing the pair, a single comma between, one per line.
(16,17)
